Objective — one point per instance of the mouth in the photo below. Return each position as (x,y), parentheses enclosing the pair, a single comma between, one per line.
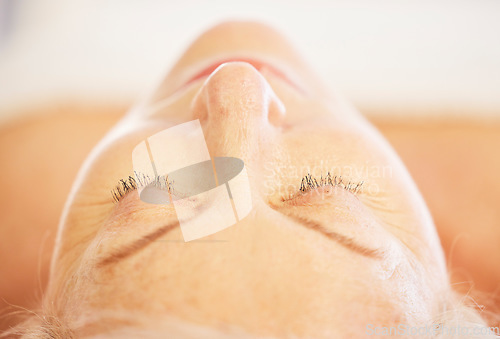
(261,66)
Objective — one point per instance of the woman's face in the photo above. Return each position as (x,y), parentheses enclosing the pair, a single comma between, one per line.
(316,262)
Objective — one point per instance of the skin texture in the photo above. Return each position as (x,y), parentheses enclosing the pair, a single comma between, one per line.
(249,276)
(269,274)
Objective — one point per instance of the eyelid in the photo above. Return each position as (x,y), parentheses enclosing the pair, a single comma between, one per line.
(123,187)
(322,186)
(308,184)
(140,180)
(130,205)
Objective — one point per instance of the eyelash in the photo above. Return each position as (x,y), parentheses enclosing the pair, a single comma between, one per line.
(309,183)
(130,184)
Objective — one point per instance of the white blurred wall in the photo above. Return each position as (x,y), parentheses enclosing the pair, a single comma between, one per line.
(390,55)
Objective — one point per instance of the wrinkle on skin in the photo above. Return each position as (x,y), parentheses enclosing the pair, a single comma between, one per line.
(271,275)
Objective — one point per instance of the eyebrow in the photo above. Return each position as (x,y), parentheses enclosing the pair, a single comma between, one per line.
(137,245)
(141,243)
(346,242)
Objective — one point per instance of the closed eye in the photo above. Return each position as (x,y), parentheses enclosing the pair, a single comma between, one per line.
(125,186)
(324,186)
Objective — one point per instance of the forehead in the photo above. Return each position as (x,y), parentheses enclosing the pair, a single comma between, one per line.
(266,256)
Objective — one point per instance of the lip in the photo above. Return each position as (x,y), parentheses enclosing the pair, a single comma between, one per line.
(258,64)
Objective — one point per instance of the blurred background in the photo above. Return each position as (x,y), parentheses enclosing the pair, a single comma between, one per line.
(391,57)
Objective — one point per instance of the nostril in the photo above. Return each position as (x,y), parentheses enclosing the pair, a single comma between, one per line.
(236,90)
(277,109)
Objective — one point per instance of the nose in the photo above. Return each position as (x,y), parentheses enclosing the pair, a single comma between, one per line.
(238,110)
